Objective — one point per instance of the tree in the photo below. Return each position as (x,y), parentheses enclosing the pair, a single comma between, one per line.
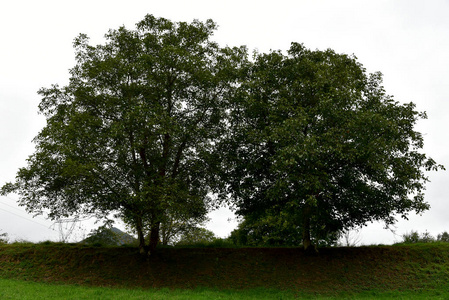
(108,237)
(443,237)
(274,230)
(176,225)
(318,142)
(3,238)
(415,237)
(134,130)
(196,235)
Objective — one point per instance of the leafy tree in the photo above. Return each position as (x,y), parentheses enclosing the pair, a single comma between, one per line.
(412,237)
(443,237)
(415,237)
(317,141)
(175,226)
(133,131)
(3,238)
(109,237)
(271,230)
(196,235)
(425,237)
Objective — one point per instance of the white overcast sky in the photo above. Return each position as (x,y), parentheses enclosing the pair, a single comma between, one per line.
(407,40)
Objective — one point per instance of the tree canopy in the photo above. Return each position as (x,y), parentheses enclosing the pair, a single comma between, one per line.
(132,132)
(319,146)
(158,118)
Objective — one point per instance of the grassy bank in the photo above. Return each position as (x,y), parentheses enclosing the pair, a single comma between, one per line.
(387,271)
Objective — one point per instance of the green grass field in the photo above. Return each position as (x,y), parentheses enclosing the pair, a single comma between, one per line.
(15,289)
(64,271)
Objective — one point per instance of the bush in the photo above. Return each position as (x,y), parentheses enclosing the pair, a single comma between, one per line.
(443,237)
(426,237)
(3,238)
(414,237)
(104,236)
(273,231)
(196,236)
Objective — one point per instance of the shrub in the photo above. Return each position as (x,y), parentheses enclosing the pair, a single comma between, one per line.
(104,236)
(196,236)
(443,237)
(426,237)
(3,238)
(412,237)
(415,237)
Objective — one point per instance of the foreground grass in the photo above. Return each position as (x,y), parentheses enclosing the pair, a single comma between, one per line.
(16,289)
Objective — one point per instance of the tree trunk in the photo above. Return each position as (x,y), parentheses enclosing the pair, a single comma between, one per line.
(307,243)
(164,234)
(154,236)
(140,235)
(306,240)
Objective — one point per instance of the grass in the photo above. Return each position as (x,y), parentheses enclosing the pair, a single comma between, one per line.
(418,271)
(15,289)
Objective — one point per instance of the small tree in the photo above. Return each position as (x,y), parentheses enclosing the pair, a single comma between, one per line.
(414,237)
(3,238)
(443,237)
(109,236)
(196,235)
(426,237)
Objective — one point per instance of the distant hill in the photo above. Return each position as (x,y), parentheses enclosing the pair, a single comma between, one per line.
(110,237)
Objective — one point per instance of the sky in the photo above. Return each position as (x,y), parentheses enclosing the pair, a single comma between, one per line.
(406,40)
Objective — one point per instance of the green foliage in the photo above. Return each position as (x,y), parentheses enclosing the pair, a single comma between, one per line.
(274,231)
(158,118)
(196,235)
(3,238)
(215,243)
(103,236)
(266,231)
(443,237)
(133,132)
(318,143)
(176,225)
(414,237)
